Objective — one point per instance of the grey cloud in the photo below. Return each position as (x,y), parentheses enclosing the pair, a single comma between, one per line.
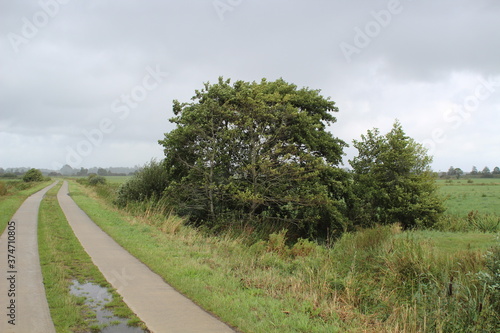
(65,79)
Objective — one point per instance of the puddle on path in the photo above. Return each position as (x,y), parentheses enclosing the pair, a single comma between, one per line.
(96,297)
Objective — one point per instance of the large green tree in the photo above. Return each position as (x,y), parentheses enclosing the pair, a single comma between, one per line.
(257,153)
(393,181)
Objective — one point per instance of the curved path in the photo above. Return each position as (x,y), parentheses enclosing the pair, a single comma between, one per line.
(155,302)
(21,283)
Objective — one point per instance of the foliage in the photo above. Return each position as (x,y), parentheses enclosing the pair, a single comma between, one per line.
(257,153)
(33,175)
(8,175)
(94,180)
(148,183)
(372,280)
(491,278)
(393,181)
(3,189)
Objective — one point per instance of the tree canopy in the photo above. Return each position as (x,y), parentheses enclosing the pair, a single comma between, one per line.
(393,181)
(253,152)
(261,156)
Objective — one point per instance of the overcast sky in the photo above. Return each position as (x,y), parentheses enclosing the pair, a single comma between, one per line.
(91,83)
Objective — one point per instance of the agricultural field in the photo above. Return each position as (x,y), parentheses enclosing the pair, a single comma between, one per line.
(117,180)
(466,195)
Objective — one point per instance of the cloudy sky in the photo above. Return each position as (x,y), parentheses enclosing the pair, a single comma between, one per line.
(91,83)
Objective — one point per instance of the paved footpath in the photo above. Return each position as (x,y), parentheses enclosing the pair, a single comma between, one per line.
(155,302)
(22,293)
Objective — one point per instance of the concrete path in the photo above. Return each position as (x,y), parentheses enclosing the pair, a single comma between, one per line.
(22,293)
(154,301)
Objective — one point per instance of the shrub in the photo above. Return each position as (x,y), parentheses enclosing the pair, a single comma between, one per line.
(33,175)
(147,183)
(96,180)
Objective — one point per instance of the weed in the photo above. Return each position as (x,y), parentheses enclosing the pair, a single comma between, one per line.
(303,248)
(491,276)
(277,243)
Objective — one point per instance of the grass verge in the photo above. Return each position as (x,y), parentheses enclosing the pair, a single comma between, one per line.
(376,280)
(63,260)
(199,268)
(16,191)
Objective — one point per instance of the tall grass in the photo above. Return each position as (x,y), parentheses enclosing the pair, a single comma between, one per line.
(474,221)
(372,280)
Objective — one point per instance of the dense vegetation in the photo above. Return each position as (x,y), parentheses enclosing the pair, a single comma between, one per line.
(393,181)
(380,279)
(258,156)
(256,160)
(33,175)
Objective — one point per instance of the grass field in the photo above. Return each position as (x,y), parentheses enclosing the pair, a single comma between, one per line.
(464,196)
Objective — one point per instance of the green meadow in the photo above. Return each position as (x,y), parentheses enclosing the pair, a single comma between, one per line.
(466,195)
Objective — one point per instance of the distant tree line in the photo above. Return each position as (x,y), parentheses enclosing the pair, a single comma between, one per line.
(258,156)
(67,170)
(485,173)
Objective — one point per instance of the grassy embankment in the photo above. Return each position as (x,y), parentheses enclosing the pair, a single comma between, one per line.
(12,195)
(378,280)
(63,260)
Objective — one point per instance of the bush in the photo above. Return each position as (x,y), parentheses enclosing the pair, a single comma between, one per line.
(33,175)
(96,180)
(147,183)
